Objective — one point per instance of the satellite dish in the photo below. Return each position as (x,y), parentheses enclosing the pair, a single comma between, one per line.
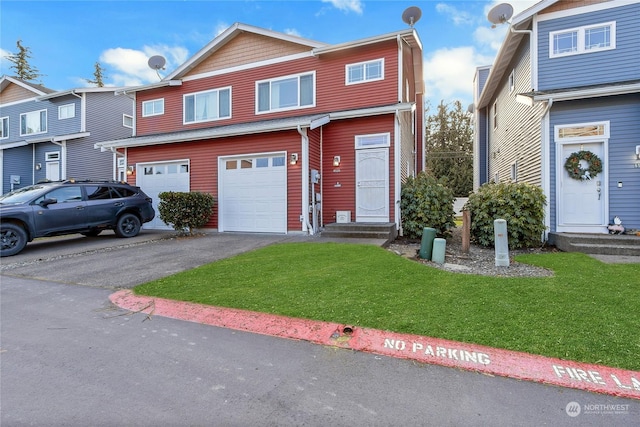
(500,14)
(411,15)
(157,62)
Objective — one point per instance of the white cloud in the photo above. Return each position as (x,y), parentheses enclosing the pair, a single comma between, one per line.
(5,64)
(292,32)
(128,67)
(458,17)
(448,74)
(346,5)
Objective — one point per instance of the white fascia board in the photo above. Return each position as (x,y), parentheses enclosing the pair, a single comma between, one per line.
(589,93)
(368,41)
(70,136)
(163,83)
(22,85)
(13,145)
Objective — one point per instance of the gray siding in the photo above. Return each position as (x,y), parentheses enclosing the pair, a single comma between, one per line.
(619,64)
(623,112)
(517,137)
(104,122)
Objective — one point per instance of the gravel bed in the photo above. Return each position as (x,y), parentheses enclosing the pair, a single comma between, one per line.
(478,260)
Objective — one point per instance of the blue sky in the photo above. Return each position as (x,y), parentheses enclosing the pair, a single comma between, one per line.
(66,38)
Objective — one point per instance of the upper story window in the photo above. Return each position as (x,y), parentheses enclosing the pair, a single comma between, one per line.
(127,121)
(512,80)
(285,93)
(153,108)
(66,111)
(365,71)
(209,105)
(33,122)
(4,127)
(589,38)
(495,115)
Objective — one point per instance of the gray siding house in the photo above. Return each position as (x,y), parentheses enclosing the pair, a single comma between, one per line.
(560,108)
(51,135)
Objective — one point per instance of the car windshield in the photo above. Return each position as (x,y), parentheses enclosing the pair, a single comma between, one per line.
(21,195)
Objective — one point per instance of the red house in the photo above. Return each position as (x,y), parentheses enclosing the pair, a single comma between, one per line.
(287,133)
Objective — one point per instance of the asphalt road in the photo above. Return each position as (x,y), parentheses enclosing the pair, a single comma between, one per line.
(69,357)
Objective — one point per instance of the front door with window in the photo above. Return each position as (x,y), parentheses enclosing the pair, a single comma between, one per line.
(581,202)
(372,185)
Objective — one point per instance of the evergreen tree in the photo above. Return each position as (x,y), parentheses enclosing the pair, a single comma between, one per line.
(23,70)
(98,76)
(449,147)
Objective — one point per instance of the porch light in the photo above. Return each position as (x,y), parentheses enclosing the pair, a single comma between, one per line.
(293,159)
(130,170)
(38,166)
(638,152)
(336,161)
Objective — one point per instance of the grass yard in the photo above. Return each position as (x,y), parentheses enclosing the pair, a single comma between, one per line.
(589,311)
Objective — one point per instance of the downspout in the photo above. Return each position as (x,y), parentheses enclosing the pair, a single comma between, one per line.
(546,155)
(400,62)
(305,180)
(396,173)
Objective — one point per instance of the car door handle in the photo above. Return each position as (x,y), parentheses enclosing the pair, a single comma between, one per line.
(80,207)
(118,204)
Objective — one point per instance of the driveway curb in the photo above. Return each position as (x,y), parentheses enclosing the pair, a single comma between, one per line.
(472,357)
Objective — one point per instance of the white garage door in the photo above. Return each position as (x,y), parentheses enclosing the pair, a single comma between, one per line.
(253,193)
(155,178)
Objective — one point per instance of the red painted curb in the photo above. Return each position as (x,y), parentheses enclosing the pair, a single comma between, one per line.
(512,364)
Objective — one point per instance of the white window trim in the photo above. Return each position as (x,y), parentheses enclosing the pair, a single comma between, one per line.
(124,121)
(2,119)
(581,36)
(358,138)
(514,171)
(61,108)
(46,113)
(52,156)
(365,79)
(151,101)
(184,109)
(296,107)
(595,138)
(512,81)
(494,116)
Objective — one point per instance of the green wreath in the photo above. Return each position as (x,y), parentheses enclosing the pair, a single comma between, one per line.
(572,165)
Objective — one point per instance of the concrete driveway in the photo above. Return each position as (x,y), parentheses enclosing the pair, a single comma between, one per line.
(107,261)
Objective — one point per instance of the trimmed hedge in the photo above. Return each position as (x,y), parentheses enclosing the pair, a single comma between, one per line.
(185,211)
(426,202)
(520,204)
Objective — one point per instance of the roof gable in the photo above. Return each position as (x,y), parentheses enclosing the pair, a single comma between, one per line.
(13,89)
(241,44)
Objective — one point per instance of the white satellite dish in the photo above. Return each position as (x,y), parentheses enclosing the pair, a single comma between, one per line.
(157,62)
(500,14)
(411,15)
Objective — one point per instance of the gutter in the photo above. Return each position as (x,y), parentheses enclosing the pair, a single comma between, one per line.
(305,180)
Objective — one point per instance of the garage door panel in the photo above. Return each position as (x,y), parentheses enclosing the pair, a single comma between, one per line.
(254,199)
(156,178)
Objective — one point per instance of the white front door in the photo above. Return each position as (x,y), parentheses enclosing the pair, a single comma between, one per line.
(372,185)
(53,171)
(581,203)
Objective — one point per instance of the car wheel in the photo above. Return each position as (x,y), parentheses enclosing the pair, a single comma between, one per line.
(128,225)
(91,233)
(13,239)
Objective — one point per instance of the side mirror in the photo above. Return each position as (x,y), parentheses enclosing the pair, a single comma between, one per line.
(47,202)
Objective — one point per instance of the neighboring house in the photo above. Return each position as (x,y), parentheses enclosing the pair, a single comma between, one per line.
(566,80)
(287,133)
(51,135)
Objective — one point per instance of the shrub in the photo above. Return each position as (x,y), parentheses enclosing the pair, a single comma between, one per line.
(520,204)
(426,202)
(185,211)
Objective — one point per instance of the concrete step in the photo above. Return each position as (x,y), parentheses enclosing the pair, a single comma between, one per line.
(599,244)
(359,230)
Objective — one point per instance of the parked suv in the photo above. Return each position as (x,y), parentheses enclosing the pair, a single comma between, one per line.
(68,207)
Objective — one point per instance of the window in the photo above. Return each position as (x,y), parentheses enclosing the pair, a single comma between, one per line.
(286,93)
(33,122)
(205,106)
(365,71)
(127,121)
(72,193)
(66,111)
(585,39)
(514,172)
(153,108)
(512,80)
(495,115)
(371,141)
(582,131)
(4,127)
(52,156)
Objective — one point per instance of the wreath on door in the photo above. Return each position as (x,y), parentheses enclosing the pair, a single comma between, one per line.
(575,169)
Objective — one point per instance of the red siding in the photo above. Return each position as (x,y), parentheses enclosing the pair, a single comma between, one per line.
(203,157)
(331,92)
(339,140)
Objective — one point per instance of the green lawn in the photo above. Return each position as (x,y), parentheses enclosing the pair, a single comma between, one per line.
(588,311)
